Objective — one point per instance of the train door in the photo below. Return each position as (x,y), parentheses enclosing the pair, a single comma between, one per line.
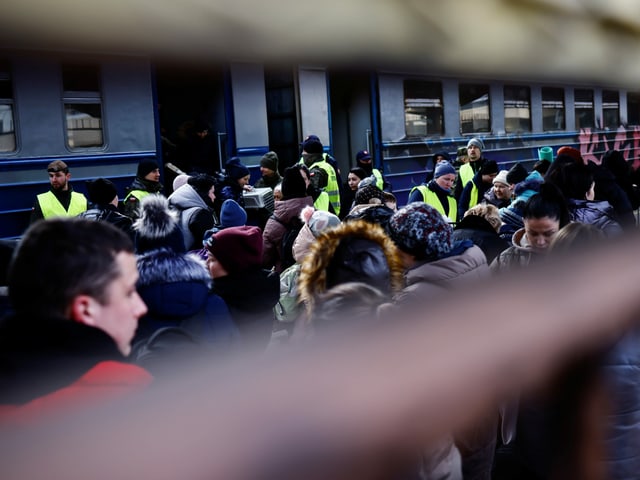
(351,116)
(191,111)
(282,114)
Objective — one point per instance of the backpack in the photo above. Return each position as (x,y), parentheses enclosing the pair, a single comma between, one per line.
(288,239)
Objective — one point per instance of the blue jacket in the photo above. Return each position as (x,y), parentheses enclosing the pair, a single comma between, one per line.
(176,290)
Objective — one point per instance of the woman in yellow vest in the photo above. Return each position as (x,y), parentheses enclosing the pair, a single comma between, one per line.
(437,192)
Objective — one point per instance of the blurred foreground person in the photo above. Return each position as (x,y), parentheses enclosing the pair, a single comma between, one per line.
(72,284)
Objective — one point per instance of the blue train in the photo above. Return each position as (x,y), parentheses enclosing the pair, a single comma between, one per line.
(102,114)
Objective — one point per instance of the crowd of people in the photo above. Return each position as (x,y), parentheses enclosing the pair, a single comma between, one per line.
(105,297)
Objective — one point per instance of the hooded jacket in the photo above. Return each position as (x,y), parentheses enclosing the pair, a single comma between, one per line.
(600,214)
(519,254)
(322,258)
(428,279)
(196,217)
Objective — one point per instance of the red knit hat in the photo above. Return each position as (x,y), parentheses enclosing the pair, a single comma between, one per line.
(237,248)
(571,152)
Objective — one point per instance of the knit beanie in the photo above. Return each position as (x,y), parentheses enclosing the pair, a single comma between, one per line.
(157,226)
(202,183)
(572,152)
(293,185)
(101,191)
(419,230)
(501,178)
(363,156)
(232,214)
(491,166)
(368,194)
(516,174)
(443,168)
(477,142)
(270,160)
(237,248)
(545,153)
(145,167)
(314,223)
(235,169)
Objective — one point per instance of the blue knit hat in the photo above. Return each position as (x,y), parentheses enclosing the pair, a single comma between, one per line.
(420,230)
(235,169)
(232,214)
(443,168)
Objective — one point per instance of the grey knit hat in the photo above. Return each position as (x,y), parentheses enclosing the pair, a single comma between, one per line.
(477,142)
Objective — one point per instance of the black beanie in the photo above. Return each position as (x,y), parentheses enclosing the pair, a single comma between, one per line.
(101,191)
(293,185)
(145,167)
(235,169)
(491,166)
(516,174)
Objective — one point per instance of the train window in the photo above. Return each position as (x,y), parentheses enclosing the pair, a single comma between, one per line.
(585,117)
(610,109)
(475,114)
(7,126)
(633,108)
(423,112)
(517,109)
(82,98)
(552,109)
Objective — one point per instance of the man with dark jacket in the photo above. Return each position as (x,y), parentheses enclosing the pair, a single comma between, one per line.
(103,196)
(72,285)
(147,181)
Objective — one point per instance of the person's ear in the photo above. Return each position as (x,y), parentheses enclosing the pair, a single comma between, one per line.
(83,309)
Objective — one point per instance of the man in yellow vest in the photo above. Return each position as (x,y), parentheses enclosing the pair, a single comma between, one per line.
(364,161)
(60,200)
(313,156)
(474,191)
(147,181)
(475,147)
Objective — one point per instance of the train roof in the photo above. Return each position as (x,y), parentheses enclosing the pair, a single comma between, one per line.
(587,40)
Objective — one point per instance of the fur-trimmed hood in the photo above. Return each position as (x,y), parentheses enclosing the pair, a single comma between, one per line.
(322,259)
(172,285)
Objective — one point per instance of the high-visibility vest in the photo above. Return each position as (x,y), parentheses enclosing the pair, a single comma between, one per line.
(379,180)
(332,188)
(139,194)
(473,196)
(431,198)
(51,206)
(322,202)
(466,174)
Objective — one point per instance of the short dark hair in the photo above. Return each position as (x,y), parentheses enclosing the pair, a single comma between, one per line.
(61,258)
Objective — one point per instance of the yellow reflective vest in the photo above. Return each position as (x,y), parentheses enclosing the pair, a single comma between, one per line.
(332,188)
(51,206)
(431,198)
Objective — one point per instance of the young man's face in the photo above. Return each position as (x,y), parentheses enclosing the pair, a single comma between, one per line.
(118,317)
(473,153)
(59,180)
(153,175)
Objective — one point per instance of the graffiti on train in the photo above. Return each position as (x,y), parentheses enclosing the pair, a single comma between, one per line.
(593,145)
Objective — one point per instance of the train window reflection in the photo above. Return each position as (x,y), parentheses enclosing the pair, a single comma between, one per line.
(553,109)
(517,109)
(475,115)
(585,117)
(7,126)
(610,109)
(633,108)
(82,98)
(423,112)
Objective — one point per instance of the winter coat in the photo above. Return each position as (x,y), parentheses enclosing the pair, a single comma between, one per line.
(313,275)
(176,289)
(109,213)
(229,189)
(196,217)
(51,365)
(621,368)
(432,278)
(250,296)
(482,234)
(518,255)
(132,202)
(269,182)
(286,211)
(490,198)
(600,214)
(607,188)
